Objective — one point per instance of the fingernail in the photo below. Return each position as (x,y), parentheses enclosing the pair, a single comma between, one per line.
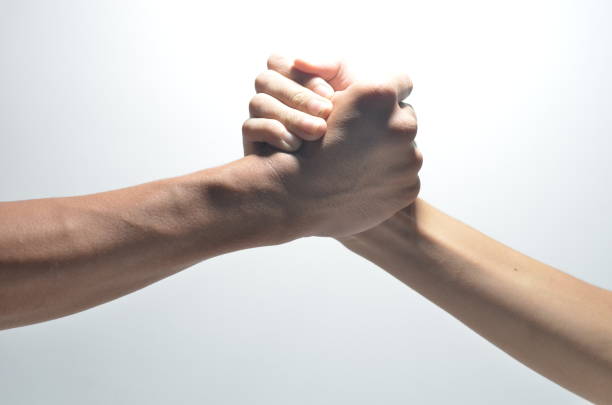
(316,126)
(319,107)
(324,90)
(291,141)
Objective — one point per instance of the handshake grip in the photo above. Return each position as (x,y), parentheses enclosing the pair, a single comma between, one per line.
(345,162)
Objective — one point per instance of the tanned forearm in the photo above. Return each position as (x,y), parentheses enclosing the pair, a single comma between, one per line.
(63,255)
(552,322)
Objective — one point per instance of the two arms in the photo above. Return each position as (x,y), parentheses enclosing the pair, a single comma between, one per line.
(60,256)
(63,255)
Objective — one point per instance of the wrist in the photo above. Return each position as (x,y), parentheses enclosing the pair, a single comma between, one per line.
(403,228)
(419,233)
(403,221)
(247,202)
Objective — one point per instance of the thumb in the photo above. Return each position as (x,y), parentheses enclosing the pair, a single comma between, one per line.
(334,72)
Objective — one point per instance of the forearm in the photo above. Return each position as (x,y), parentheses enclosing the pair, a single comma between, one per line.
(60,256)
(554,323)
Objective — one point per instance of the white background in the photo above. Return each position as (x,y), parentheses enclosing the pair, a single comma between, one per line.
(513,100)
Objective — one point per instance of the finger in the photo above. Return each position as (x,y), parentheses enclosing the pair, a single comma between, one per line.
(292,94)
(271,132)
(320,86)
(301,124)
(382,93)
(418,156)
(407,107)
(285,66)
(376,97)
(412,191)
(403,123)
(403,84)
(334,72)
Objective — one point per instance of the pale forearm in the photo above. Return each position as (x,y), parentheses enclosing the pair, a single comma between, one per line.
(59,256)
(550,321)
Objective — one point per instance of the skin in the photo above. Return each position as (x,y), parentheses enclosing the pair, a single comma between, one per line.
(557,325)
(59,256)
(367,116)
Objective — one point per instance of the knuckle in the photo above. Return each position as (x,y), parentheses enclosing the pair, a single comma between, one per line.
(418,159)
(300,99)
(253,106)
(272,127)
(376,95)
(405,125)
(286,117)
(257,103)
(247,127)
(273,60)
(409,83)
(293,118)
(407,107)
(378,89)
(412,191)
(262,81)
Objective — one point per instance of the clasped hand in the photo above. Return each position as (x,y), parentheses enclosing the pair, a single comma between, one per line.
(340,148)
